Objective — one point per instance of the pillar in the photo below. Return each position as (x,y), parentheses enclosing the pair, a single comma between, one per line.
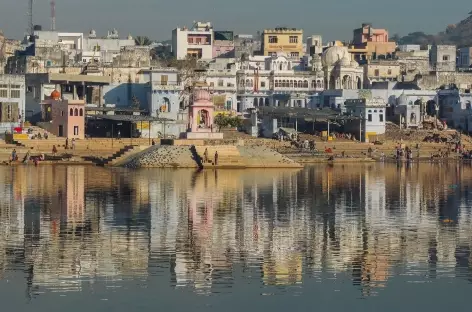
(74,92)
(100,95)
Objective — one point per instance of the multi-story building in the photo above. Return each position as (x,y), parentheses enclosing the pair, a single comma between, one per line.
(464,58)
(196,41)
(245,45)
(286,40)
(12,101)
(376,71)
(314,45)
(369,43)
(223,44)
(276,84)
(372,114)
(443,58)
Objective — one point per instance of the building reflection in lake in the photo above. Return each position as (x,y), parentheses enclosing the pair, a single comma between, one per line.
(67,226)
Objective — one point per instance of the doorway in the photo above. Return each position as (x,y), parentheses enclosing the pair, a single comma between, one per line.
(61,131)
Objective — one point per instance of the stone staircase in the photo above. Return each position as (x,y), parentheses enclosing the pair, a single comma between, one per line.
(228,156)
(118,156)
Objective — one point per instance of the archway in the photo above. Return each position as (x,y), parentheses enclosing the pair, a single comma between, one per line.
(431,108)
(261,102)
(332,82)
(345,83)
(267,102)
(254,102)
(359,83)
(165,107)
(204,119)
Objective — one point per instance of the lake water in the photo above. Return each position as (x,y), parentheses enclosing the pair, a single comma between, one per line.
(373,237)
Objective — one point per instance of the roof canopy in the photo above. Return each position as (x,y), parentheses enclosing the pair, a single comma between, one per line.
(304,113)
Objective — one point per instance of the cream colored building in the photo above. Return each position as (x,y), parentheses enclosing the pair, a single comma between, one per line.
(381,71)
(287,40)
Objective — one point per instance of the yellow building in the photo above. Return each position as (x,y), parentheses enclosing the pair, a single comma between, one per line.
(287,40)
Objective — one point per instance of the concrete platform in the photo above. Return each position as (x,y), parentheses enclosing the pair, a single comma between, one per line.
(204,135)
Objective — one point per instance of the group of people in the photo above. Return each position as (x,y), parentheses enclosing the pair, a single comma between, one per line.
(206,159)
(27,158)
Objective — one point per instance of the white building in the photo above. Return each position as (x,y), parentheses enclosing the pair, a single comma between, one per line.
(275,83)
(196,41)
(372,113)
(12,101)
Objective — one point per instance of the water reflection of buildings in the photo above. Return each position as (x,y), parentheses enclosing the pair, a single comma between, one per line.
(370,222)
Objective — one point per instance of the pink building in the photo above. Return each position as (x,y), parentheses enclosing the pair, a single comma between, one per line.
(369,34)
(223,44)
(68,116)
(201,113)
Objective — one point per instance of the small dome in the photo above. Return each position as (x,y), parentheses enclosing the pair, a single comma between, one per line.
(346,61)
(55,95)
(201,95)
(354,64)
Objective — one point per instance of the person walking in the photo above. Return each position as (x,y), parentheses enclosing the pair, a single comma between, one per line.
(73,144)
(205,155)
(54,150)
(216,158)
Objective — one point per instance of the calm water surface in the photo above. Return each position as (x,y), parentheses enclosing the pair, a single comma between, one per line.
(359,237)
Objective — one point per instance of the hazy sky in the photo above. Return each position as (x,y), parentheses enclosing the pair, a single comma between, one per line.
(334,19)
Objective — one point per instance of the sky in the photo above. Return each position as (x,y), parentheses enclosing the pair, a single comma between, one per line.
(333,19)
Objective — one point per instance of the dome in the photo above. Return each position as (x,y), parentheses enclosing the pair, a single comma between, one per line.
(201,95)
(334,54)
(346,61)
(55,95)
(354,64)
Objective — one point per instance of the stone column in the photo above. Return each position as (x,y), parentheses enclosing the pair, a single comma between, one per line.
(100,96)
(74,93)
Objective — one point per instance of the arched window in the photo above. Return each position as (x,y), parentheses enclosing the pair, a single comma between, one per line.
(76,112)
(71,112)
(285,83)
(300,84)
(313,84)
(81,112)
(305,84)
(291,83)
(277,84)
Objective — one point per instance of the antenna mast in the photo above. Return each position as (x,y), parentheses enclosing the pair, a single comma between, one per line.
(53,15)
(30,17)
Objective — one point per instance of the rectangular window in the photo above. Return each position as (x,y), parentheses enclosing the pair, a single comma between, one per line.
(199,40)
(369,117)
(376,73)
(220,83)
(262,84)
(381,117)
(164,80)
(212,84)
(273,39)
(189,40)
(389,71)
(15,94)
(293,39)
(3,93)
(76,130)
(294,54)
(445,57)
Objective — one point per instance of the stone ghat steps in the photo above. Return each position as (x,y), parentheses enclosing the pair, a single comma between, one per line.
(226,155)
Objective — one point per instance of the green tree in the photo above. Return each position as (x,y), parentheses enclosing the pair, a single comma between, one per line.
(142,41)
(224,121)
